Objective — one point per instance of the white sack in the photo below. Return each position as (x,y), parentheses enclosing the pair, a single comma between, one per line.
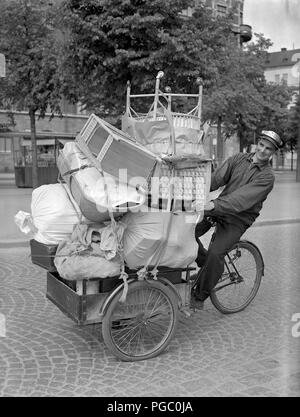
(53,213)
(146,231)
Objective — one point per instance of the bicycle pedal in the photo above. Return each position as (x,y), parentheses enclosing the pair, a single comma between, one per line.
(186,312)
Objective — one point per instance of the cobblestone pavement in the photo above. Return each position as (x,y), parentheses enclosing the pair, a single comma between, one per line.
(252,353)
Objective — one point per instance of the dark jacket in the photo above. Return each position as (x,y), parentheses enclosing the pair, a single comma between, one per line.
(246,187)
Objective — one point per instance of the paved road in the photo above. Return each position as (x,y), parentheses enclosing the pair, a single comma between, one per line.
(252,353)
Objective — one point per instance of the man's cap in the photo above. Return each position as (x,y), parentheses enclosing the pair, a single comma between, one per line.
(272,137)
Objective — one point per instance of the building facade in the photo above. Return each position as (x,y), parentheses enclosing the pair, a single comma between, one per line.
(15,143)
(284,67)
(222,8)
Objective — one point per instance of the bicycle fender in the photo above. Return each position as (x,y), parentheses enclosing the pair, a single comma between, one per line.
(172,288)
(118,289)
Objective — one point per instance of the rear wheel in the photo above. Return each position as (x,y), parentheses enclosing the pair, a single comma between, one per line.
(241,279)
(142,326)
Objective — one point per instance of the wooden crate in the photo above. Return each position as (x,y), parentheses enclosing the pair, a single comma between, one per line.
(83,309)
(43,255)
(114,150)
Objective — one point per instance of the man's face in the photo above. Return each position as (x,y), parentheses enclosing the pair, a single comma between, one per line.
(264,150)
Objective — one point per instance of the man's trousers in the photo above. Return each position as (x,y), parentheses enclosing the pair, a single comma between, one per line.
(211,261)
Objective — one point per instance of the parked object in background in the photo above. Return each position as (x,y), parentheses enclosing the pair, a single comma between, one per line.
(95,192)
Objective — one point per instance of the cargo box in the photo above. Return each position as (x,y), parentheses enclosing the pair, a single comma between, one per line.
(43,255)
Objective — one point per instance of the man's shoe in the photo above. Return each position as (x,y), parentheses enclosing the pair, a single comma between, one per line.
(195,303)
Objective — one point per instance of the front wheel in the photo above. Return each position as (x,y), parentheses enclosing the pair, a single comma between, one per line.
(241,278)
(142,326)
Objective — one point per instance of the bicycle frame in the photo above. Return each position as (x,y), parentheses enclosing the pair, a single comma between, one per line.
(234,275)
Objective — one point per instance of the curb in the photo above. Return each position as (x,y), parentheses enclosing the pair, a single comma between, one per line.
(12,243)
(275,222)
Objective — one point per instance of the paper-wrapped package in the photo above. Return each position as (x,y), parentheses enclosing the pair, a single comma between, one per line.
(160,238)
(96,193)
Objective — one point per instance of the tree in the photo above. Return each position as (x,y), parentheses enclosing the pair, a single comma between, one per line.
(235,100)
(241,101)
(293,133)
(32,82)
(110,42)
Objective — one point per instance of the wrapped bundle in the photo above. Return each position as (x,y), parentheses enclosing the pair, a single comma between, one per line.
(159,238)
(53,215)
(96,193)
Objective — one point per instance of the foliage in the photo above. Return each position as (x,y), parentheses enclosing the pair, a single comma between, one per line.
(241,98)
(26,39)
(292,131)
(108,43)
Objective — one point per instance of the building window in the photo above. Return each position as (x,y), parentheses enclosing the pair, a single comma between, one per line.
(187,12)
(277,78)
(221,10)
(285,78)
(5,145)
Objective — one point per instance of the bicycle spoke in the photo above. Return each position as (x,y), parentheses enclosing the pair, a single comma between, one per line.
(240,280)
(144,321)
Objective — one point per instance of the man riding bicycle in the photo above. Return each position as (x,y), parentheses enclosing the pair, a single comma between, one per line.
(248,179)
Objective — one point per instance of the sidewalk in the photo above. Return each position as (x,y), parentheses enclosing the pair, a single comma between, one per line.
(281,207)
(283,203)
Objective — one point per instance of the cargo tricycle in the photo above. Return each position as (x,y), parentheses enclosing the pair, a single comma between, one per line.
(141,325)
(139,314)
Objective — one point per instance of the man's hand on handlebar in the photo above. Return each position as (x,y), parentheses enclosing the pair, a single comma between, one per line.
(207,207)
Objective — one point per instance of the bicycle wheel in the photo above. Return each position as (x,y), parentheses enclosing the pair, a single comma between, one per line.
(241,278)
(142,326)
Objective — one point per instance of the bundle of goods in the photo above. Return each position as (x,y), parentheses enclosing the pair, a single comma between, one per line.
(106,170)
(154,133)
(54,214)
(180,183)
(96,193)
(155,239)
(183,174)
(107,174)
(90,252)
(162,130)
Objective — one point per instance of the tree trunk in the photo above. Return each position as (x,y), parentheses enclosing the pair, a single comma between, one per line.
(298,152)
(33,149)
(220,143)
(298,162)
